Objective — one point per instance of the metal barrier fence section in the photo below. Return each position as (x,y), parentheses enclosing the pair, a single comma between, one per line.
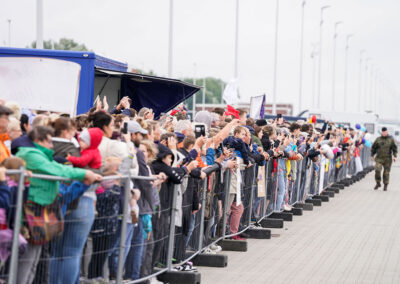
(99,233)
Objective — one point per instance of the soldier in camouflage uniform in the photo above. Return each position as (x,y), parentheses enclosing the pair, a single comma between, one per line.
(384,147)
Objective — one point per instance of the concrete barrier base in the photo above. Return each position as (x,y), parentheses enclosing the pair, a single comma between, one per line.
(297,211)
(314,202)
(304,206)
(323,198)
(260,233)
(233,245)
(339,185)
(210,260)
(333,189)
(272,223)
(328,193)
(180,277)
(286,216)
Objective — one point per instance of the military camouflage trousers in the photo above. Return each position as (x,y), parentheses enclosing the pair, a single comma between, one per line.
(386,170)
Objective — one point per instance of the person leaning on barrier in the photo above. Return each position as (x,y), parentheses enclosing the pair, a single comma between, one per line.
(383,151)
(175,175)
(39,160)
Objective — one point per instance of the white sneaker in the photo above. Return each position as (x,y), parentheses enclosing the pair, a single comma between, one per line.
(287,207)
(209,251)
(216,248)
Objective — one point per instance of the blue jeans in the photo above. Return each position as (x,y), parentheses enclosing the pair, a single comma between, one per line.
(281,184)
(113,258)
(66,251)
(134,259)
(191,229)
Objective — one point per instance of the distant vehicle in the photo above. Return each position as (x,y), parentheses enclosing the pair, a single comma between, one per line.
(368,120)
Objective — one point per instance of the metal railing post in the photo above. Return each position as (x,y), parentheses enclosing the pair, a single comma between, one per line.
(226,191)
(265,206)
(171,240)
(276,184)
(202,210)
(253,186)
(123,229)
(12,277)
(298,179)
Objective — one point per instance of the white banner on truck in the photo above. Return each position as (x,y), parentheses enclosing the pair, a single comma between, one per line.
(40,83)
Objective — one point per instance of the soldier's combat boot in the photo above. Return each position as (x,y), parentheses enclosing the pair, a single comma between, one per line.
(378,185)
(385,187)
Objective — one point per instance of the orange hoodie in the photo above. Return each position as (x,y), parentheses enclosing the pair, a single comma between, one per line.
(4,152)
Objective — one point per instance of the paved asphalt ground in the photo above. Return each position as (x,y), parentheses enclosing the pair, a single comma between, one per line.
(353,238)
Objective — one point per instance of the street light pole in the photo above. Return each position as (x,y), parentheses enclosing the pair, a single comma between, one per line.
(345,71)
(366,84)
(9,32)
(39,24)
(360,79)
(314,53)
(194,95)
(334,64)
(204,94)
(371,89)
(301,55)
(171,37)
(235,70)
(376,85)
(320,54)
(275,58)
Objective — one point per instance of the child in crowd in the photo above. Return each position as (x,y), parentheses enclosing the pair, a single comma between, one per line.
(89,141)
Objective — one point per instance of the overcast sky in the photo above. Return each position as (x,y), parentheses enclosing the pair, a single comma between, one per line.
(137,32)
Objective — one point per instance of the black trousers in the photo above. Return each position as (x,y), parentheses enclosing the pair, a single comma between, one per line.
(101,248)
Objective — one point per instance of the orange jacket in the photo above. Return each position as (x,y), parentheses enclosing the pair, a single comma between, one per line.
(4,152)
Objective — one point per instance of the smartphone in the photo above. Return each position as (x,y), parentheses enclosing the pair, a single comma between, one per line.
(124,129)
(199,130)
(279,115)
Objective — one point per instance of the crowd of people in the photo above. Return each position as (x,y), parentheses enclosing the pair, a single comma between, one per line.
(86,212)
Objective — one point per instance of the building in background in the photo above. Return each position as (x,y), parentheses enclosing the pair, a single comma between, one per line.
(284,109)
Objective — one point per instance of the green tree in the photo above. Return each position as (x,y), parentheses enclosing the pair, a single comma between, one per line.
(62,44)
(214,89)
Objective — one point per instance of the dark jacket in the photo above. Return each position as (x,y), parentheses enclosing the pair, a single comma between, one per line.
(5,196)
(174,176)
(267,144)
(256,156)
(125,111)
(190,156)
(22,141)
(108,208)
(63,148)
(239,146)
(146,201)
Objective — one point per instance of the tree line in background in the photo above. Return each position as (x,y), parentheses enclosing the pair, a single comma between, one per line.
(214,88)
(62,44)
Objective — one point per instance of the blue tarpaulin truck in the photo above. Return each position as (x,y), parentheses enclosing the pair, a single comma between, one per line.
(96,76)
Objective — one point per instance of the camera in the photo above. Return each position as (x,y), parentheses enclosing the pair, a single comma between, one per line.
(124,129)
(199,130)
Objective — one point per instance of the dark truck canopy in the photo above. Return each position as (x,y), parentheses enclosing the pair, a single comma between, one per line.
(157,93)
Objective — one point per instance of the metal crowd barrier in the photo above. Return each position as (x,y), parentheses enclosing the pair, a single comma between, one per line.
(231,202)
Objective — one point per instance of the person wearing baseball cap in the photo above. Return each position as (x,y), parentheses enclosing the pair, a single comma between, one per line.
(4,113)
(136,132)
(385,149)
(145,203)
